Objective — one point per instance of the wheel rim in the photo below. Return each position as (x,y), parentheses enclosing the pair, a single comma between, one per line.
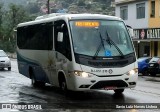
(63,86)
(33,80)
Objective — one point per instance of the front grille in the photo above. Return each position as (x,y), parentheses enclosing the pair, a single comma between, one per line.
(109,83)
(118,63)
(108,75)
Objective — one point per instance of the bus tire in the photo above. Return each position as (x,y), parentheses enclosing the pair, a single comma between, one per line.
(36,83)
(119,91)
(62,83)
(33,79)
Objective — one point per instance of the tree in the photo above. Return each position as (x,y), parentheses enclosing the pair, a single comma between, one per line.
(81,3)
(69,1)
(1,17)
(88,6)
(33,8)
(15,15)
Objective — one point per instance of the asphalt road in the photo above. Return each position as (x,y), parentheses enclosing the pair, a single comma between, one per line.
(17,90)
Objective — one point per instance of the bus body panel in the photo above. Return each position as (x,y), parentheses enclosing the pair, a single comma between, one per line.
(37,60)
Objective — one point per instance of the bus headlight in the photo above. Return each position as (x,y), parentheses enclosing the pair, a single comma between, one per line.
(132,72)
(82,74)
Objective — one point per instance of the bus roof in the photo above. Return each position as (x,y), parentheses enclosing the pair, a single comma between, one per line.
(52,17)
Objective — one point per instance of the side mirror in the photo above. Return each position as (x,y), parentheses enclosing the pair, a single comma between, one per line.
(60,37)
(130,30)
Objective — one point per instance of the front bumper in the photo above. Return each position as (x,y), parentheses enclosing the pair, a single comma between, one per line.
(122,81)
(5,65)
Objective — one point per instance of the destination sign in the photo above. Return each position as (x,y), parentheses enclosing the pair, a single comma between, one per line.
(87,23)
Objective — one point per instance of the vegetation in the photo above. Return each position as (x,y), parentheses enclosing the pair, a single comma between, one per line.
(8,22)
(11,15)
(87,6)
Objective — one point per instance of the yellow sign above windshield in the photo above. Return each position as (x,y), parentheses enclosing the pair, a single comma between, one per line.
(86,23)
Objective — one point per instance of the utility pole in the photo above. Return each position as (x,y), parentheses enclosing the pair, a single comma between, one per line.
(48,7)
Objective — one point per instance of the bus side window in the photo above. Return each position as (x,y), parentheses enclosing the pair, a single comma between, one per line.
(62,43)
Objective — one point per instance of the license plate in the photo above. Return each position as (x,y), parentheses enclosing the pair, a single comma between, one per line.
(110,88)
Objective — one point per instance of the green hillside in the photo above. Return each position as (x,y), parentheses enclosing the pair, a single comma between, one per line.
(83,6)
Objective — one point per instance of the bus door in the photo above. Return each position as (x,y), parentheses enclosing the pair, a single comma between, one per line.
(62,49)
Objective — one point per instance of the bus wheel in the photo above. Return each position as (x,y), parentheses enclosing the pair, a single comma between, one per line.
(63,84)
(33,81)
(118,91)
(37,83)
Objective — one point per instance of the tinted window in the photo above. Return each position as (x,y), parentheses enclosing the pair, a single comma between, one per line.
(124,12)
(140,10)
(35,37)
(152,9)
(62,46)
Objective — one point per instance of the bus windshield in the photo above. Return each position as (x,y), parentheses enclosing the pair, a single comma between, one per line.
(100,38)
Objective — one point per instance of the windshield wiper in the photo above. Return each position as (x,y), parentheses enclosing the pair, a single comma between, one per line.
(100,45)
(111,42)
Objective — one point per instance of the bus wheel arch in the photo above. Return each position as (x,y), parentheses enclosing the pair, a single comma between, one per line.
(34,82)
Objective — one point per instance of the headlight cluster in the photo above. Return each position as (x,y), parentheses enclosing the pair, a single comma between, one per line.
(82,74)
(132,72)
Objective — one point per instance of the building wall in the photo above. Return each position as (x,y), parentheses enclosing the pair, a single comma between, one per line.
(150,25)
(132,16)
(154,22)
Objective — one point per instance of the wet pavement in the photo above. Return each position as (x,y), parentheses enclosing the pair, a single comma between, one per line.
(17,90)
